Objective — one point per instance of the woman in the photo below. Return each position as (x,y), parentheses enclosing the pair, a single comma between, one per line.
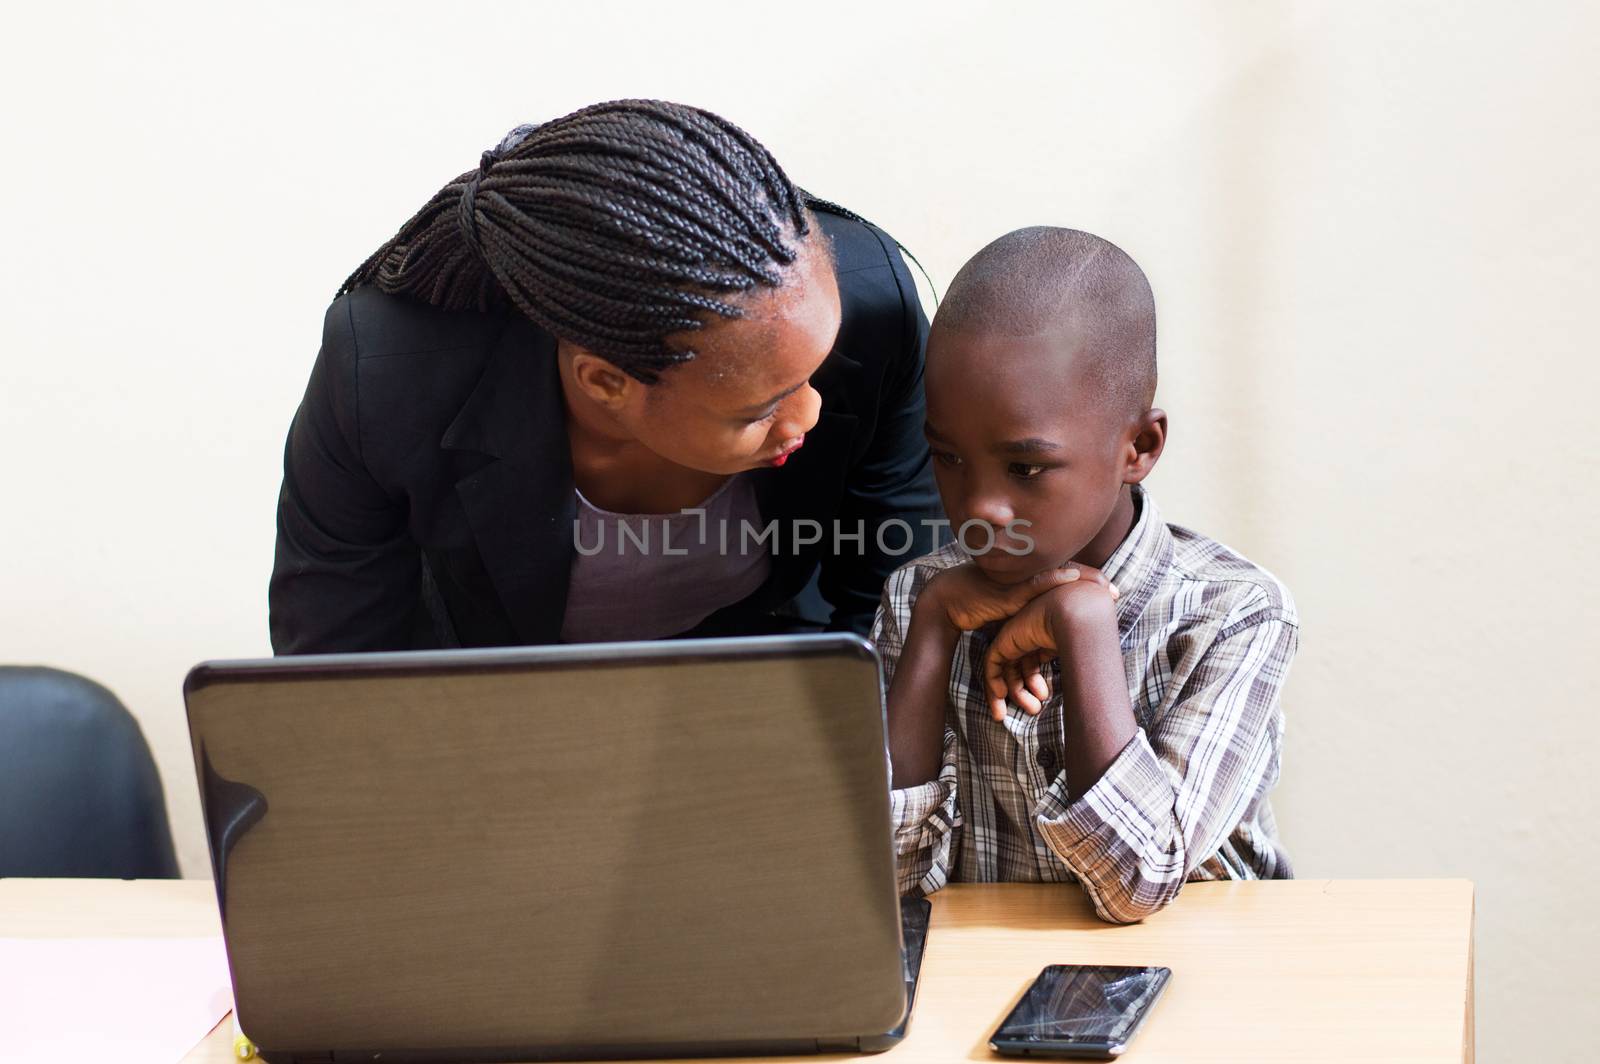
(622,314)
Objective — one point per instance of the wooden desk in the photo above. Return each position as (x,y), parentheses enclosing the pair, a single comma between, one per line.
(1307,970)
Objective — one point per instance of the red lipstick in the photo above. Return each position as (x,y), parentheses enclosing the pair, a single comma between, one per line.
(783,455)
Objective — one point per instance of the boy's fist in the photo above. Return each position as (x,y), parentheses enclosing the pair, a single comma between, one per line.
(1014,665)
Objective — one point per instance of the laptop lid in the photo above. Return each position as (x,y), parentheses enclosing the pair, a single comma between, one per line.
(554,851)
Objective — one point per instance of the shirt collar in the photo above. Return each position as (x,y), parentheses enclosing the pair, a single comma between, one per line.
(1140,560)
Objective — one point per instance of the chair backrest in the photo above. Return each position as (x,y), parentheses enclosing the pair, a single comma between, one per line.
(79,792)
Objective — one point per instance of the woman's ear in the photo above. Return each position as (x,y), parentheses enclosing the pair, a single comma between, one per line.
(1146,440)
(601,382)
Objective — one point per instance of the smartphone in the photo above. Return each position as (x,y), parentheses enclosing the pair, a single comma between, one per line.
(1088,1011)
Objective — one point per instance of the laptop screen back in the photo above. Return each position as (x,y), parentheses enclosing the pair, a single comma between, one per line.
(655,844)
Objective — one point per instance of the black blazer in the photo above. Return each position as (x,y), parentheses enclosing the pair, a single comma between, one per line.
(427,485)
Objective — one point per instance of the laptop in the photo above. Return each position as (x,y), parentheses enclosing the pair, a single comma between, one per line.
(675,848)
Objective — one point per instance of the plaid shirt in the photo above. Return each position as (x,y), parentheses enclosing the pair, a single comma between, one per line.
(1207,638)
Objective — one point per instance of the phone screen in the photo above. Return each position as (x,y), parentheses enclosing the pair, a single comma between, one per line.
(1086,1005)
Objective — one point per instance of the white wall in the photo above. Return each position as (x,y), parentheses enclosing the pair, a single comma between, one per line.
(1370,228)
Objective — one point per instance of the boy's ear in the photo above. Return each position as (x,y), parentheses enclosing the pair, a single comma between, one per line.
(1148,438)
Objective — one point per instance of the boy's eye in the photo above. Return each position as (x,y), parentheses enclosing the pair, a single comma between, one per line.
(1025,471)
(944,457)
(768,416)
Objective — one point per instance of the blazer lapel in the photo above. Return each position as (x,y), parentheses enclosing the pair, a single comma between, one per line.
(809,485)
(520,505)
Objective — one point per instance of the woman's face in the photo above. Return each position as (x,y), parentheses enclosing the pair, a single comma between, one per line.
(745,400)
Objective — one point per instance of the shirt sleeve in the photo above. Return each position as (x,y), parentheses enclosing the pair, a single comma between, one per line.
(1174,794)
(924,817)
(346,574)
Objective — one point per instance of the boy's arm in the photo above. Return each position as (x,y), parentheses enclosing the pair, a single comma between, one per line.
(939,607)
(918,694)
(1132,821)
(924,817)
(918,630)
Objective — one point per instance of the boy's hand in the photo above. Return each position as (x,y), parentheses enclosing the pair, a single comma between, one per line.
(966,599)
(1015,662)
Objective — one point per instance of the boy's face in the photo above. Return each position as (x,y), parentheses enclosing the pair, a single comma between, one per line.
(1019,431)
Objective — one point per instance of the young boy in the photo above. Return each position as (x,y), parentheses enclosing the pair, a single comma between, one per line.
(1077,690)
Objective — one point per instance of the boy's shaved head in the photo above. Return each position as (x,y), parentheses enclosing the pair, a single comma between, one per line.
(1041,370)
(1047,280)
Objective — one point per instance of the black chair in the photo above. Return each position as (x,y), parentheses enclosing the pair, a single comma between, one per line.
(79,793)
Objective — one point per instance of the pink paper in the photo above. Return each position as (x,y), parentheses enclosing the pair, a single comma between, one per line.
(131,1000)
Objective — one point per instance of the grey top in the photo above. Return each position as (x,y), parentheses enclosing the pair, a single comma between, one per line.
(646,576)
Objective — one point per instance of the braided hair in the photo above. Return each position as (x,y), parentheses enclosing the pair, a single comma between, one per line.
(613,227)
